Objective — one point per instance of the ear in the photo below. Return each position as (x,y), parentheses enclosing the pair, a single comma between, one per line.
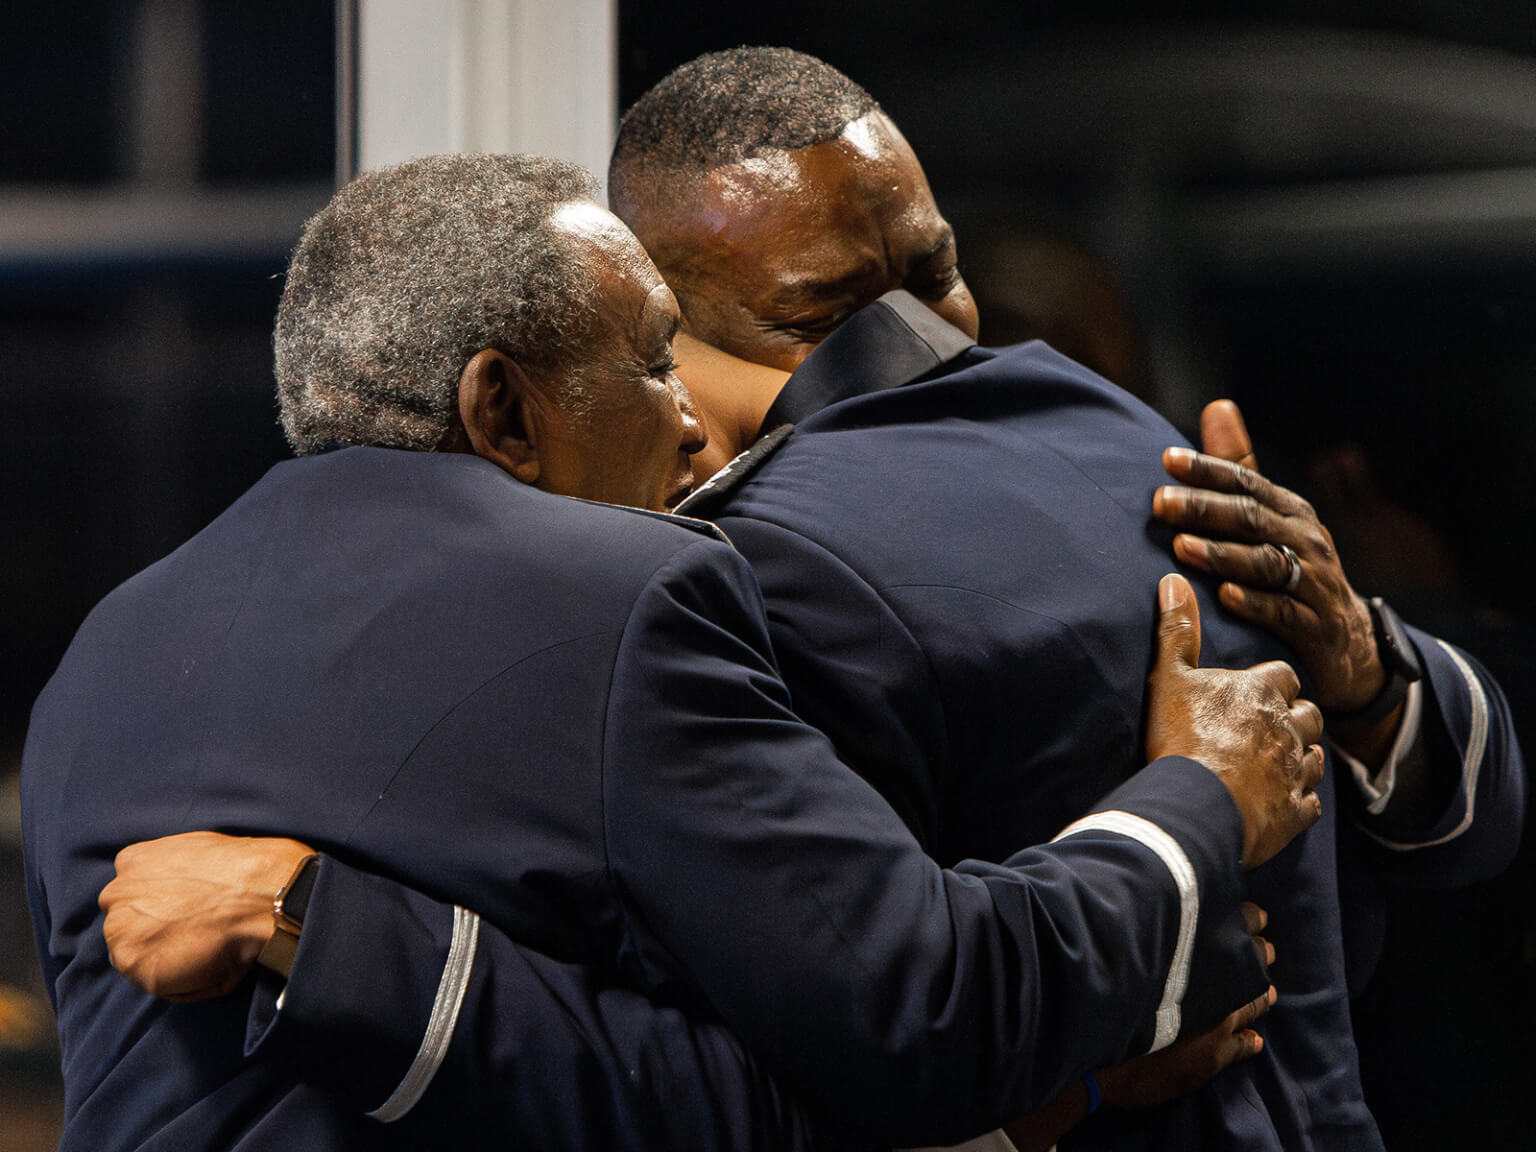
(495,409)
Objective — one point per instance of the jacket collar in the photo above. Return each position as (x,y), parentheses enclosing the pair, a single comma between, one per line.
(891,342)
(894,341)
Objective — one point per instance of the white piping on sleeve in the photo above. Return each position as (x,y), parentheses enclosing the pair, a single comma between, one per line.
(1144,832)
(445,1014)
(992,1142)
(1471,760)
(1377,788)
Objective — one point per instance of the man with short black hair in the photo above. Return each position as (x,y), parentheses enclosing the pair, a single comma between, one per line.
(949,538)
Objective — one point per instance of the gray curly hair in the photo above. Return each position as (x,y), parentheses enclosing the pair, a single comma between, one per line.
(405,275)
(722,108)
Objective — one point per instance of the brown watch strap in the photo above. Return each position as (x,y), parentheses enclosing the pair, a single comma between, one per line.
(288,908)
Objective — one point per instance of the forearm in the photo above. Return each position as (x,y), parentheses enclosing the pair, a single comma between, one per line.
(1449,806)
(392,992)
(928,1006)
(923,1005)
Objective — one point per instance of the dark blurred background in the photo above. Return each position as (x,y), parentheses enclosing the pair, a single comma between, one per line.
(1326,211)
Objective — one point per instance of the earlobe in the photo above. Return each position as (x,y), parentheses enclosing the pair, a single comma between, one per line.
(494,408)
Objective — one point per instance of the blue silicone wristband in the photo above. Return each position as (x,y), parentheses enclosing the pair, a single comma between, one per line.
(1091,1082)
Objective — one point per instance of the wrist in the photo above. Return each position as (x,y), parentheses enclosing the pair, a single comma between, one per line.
(1393,667)
(286,908)
(255,867)
(1112,1086)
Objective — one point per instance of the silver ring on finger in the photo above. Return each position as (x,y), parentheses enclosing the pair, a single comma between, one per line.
(1293,569)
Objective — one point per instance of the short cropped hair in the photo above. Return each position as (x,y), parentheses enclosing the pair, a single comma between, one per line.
(405,275)
(722,108)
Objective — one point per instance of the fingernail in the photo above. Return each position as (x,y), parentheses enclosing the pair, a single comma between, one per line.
(1172,592)
(1181,453)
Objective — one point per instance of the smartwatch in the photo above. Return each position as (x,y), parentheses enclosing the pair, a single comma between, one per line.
(288,908)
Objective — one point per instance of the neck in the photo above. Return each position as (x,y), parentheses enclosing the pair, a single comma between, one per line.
(733,396)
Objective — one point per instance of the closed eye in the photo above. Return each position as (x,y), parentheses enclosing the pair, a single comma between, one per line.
(936,283)
(812,328)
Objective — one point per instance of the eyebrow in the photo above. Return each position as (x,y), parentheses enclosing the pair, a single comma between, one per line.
(811,287)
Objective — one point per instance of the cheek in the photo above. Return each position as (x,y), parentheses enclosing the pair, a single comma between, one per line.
(731,327)
(661,423)
(754,348)
(771,349)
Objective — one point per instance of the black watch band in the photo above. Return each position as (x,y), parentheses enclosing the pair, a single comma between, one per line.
(1399,661)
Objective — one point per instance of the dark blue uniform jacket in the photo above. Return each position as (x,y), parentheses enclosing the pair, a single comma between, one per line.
(957,554)
(567,718)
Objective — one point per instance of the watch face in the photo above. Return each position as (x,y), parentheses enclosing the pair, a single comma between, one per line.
(292,899)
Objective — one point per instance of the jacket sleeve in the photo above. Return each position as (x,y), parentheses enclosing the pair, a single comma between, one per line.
(406,1006)
(920,1005)
(1448,809)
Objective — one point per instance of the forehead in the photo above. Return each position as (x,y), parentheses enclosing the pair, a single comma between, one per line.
(625,275)
(600,240)
(805,215)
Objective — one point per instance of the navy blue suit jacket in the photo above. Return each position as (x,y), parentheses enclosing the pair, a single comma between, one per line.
(957,554)
(567,717)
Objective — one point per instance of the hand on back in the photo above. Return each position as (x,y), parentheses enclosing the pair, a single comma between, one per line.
(1248,726)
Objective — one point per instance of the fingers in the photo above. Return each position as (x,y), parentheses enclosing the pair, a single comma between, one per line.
(1265,949)
(1245,1016)
(1307,722)
(1249,1044)
(1312,766)
(1311,808)
(108,895)
(1307,804)
(1178,626)
(1255,919)
(1228,515)
(1280,677)
(1205,471)
(1278,612)
(1264,566)
(1223,434)
(125,860)
(1242,1043)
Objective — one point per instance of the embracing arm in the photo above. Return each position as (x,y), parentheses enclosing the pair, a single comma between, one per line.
(924,1003)
(397,1002)
(908,1002)
(1448,807)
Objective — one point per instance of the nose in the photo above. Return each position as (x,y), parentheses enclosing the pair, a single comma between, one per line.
(692,435)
